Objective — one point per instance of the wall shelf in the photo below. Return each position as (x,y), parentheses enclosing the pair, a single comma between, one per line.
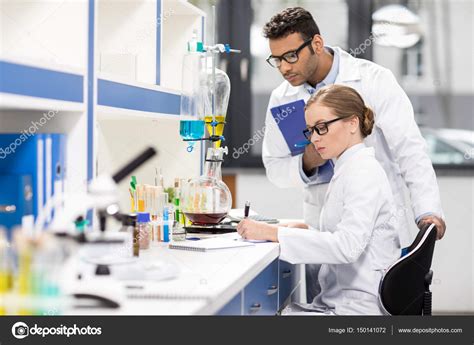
(112,113)
(30,94)
(130,97)
(27,103)
(111,68)
(40,83)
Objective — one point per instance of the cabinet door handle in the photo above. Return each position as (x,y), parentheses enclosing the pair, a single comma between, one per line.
(272,290)
(286,274)
(255,308)
(7,208)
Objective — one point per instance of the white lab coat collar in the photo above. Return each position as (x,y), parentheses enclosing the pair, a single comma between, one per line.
(349,154)
(348,71)
(293,90)
(348,67)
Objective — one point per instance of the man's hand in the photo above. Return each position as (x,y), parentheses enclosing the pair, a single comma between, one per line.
(311,159)
(252,230)
(437,221)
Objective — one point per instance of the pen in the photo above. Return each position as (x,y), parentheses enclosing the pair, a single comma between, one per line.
(302,144)
(247,209)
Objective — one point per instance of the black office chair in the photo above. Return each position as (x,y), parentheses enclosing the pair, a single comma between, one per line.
(405,286)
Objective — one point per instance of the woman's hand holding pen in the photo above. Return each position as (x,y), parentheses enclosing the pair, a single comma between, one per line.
(252,230)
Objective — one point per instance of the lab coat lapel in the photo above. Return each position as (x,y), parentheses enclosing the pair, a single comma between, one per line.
(339,169)
(292,91)
(349,69)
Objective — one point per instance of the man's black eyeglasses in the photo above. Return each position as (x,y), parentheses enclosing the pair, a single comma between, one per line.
(291,57)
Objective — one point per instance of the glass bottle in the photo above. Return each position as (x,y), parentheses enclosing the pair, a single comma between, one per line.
(144,230)
(129,222)
(192,125)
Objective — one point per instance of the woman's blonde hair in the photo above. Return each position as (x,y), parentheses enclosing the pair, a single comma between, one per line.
(345,103)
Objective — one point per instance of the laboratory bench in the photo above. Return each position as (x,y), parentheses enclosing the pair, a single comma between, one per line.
(238,281)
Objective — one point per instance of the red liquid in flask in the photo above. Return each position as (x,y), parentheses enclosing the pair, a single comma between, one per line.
(205,218)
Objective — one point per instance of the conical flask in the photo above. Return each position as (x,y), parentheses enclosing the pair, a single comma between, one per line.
(206,199)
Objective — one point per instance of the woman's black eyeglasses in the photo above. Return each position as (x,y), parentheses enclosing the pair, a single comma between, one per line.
(320,128)
(291,57)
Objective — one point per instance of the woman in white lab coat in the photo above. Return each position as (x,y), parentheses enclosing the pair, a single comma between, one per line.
(358,236)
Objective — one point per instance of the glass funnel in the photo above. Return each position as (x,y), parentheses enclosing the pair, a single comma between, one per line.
(221,92)
(206,199)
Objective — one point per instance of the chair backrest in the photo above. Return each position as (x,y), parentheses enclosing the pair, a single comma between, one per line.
(403,284)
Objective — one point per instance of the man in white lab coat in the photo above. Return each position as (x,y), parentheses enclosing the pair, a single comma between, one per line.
(298,51)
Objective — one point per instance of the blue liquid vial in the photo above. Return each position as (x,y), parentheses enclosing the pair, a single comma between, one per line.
(191,130)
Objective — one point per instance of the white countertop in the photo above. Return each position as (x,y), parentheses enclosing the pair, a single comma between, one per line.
(207,281)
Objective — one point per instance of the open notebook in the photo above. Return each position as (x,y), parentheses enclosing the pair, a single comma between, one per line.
(210,244)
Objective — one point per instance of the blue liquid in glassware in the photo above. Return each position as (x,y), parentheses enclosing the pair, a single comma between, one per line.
(191,130)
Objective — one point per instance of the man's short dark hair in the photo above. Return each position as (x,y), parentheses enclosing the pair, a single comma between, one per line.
(289,21)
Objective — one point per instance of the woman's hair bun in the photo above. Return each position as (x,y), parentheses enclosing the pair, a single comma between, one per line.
(367,124)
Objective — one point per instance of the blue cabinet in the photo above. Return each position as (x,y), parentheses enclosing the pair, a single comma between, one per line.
(234,307)
(261,294)
(266,293)
(286,272)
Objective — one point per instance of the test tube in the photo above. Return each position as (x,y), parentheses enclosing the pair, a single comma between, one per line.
(166,227)
(23,277)
(182,218)
(162,202)
(176,200)
(47,261)
(150,206)
(157,212)
(133,200)
(141,198)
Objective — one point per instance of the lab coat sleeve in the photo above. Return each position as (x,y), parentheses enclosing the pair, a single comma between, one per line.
(322,174)
(282,169)
(362,201)
(395,117)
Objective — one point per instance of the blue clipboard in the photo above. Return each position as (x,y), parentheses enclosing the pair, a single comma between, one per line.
(290,120)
